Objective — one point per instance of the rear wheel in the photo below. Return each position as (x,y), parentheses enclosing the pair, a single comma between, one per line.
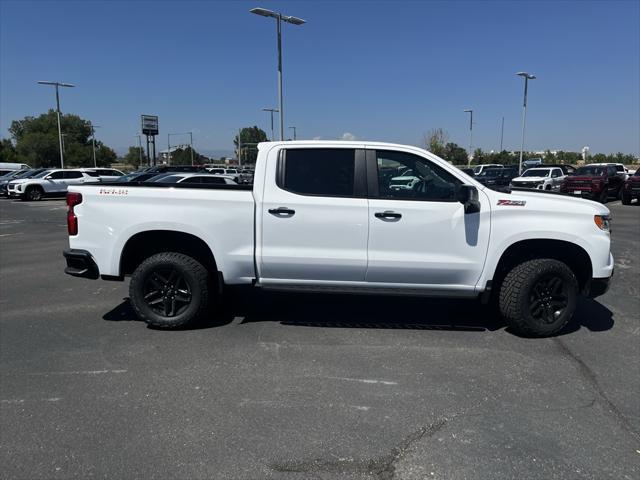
(170,290)
(33,194)
(538,297)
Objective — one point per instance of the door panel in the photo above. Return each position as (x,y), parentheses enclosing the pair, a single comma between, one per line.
(433,242)
(319,230)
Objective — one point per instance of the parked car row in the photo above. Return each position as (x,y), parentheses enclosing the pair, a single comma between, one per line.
(36,184)
(598,181)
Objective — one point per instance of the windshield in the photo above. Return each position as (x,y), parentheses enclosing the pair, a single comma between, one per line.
(490,172)
(14,174)
(591,171)
(169,179)
(42,174)
(536,172)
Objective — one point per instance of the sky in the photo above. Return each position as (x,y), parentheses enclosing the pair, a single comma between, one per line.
(369,70)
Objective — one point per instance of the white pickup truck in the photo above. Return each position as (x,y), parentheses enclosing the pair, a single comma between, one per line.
(324,217)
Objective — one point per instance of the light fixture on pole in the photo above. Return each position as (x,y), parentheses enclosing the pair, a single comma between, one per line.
(527,77)
(470,136)
(279,19)
(57,85)
(271,110)
(294,133)
(93,141)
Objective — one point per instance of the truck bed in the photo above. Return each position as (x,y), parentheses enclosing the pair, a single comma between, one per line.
(221,215)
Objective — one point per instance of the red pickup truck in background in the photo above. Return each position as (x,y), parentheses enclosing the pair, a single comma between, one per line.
(596,182)
(631,188)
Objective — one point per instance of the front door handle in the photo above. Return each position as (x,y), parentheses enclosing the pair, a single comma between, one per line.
(281,211)
(388,214)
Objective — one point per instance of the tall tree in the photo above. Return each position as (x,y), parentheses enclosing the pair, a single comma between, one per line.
(250,137)
(435,141)
(36,140)
(182,156)
(7,151)
(134,155)
(455,154)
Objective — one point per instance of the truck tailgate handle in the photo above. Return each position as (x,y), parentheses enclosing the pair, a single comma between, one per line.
(388,214)
(281,211)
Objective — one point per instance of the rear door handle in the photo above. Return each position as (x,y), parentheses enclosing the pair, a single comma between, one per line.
(388,214)
(281,211)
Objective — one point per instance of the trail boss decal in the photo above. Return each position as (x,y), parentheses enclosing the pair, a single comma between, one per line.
(512,203)
(114,191)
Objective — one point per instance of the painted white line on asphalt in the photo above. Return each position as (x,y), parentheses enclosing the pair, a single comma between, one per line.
(9,234)
(364,380)
(77,372)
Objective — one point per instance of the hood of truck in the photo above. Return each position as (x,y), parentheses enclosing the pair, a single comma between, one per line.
(539,200)
(529,179)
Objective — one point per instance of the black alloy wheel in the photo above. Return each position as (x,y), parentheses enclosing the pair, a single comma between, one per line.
(170,290)
(167,292)
(34,194)
(548,299)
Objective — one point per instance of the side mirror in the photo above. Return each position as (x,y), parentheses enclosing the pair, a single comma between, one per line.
(48,177)
(468,196)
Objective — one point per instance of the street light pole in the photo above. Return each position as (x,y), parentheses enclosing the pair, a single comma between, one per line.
(527,77)
(93,141)
(140,147)
(191,137)
(294,133)
(470,136)
(501,133)
(57,85)
(168,149)
(271,110)
(279,19)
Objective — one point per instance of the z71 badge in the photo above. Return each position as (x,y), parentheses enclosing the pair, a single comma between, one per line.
(512,203)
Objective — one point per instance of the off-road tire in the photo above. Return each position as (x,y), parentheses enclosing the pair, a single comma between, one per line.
(192,274)
(517,296)
(33,194)
(602,198)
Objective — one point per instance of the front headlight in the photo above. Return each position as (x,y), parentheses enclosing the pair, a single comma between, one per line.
(603,222)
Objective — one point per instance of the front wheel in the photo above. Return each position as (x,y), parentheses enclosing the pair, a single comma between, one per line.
(538,297)
(169,290)
(603,196)
(33,194)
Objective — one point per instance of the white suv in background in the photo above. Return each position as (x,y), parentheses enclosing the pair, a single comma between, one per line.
(49,183)
(104,174)
(540,178)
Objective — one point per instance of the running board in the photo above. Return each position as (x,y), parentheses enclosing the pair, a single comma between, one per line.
(363,290)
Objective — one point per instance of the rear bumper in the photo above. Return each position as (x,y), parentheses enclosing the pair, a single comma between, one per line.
(80,263)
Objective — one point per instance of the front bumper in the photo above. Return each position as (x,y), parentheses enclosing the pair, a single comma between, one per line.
(599,286)
(80,263)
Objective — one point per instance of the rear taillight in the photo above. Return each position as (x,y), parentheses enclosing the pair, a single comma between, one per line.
(73,199)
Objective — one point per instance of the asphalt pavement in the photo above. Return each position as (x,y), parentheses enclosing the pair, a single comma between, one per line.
(306,387)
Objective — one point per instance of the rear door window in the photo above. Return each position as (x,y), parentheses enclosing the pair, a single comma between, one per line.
(318,171)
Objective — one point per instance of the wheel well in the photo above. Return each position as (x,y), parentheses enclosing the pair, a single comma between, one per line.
(574,256)
(145,244)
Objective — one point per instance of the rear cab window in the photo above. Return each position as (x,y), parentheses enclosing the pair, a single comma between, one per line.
(328,172)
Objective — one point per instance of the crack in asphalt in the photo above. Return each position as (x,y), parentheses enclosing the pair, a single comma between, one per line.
(381,467)
(591,379)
